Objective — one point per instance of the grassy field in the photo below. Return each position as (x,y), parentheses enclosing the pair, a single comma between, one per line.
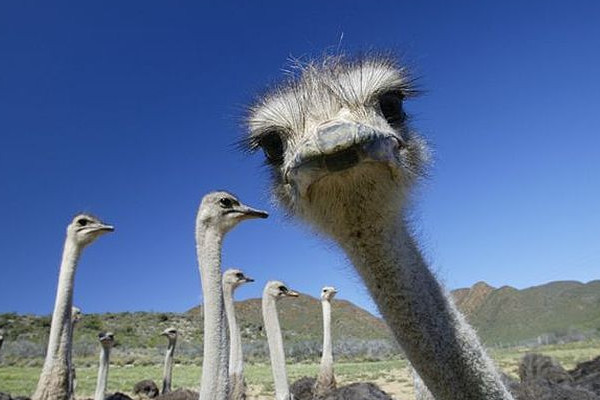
(393,376)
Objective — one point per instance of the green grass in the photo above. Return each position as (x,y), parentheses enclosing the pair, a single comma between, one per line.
(22,380)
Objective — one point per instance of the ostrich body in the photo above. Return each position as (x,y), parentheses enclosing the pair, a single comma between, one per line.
(179,394)
(307,388)
(324,386)
(273,291)
(543,378)
(218,213)
(146,389)
(344,159)
(171,335)
(55,382)
(107,340)
(232,279)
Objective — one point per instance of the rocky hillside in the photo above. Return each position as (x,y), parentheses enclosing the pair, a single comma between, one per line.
(301,319)
(358,333)
(563,310)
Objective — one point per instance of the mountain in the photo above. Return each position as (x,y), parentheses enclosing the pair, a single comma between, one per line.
(554,310)
(301,319)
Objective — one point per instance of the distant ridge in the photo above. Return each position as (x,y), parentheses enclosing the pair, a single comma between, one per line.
(560,309)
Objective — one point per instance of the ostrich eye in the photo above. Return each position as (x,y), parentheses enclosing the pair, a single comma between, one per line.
(283,289)
(390,104)
(272,146)
(82,222)
(239,275)
(225,202)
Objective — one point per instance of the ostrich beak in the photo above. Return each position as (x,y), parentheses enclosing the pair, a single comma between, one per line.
(248,279)
(249,212)
(292,293)
(104,228)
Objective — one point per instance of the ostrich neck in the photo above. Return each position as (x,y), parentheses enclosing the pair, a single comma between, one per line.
(102,373)
(236,363)
(57,365)
(168,370)
(326,368)
(214,364)
(271,320)
(439,343)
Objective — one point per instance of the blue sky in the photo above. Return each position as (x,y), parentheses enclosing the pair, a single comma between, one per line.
(130,110)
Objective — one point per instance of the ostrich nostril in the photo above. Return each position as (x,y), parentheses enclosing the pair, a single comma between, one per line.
(401,143)
(342,160)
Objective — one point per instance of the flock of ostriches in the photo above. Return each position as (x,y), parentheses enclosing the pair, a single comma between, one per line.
(343,158)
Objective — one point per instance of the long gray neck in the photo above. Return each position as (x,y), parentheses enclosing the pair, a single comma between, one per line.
(102,373)
(236,362)
(237,385)
(277,355)
(168,370)
(326,379)
(421,391)
(55,376)
(439,343)
(214,382)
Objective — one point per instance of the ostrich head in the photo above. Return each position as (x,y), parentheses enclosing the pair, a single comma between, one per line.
(328,293)
(235,277)
(107,339)
(223,211)
(85,228)
(170,333)
(277,290)
(337,141)
(76,314)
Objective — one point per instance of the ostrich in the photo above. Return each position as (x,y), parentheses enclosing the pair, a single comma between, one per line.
(54,382)
(75,318)
(107,340)
(171,335)
(232,279)
(307,388)
(324,387)
(543,378)
(218,213)
(325,379)
(167,393)
(273,291)
(343,159)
